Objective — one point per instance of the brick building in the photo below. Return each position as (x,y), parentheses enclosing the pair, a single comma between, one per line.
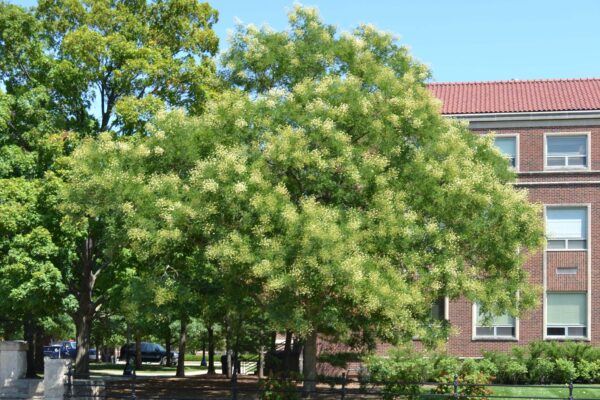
(550,132)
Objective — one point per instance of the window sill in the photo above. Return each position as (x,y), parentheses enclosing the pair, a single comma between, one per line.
(565,249)
(558,171)
(494,339)
(564,169)
(566,339)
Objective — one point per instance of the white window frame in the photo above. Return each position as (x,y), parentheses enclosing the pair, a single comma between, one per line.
(567,326)
(567,167)
(588,272)
(475,337)
(516,168)
(588,223)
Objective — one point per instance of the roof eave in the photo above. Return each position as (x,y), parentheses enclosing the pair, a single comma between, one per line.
(531,119)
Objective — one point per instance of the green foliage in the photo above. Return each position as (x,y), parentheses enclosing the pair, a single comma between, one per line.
(515,370)
(541,371)
(277,388)
(405,371)
(133,58)
(539,363)
(377,188)
(341,359)
(56,60)
(588,371)
(565,370)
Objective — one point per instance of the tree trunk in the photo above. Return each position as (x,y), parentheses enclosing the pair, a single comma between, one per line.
(86,308)
(182,343)
(138,351)
(83,324)
(310,364)
(39,349)
(261,363)
(168,348)
(287,353)
(211,351)
(227,355)
(28,334)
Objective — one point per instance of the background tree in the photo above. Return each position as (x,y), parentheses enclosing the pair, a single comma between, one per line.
(62,58)
(391,206)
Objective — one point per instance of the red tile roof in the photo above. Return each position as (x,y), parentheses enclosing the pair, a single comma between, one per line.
(518,96)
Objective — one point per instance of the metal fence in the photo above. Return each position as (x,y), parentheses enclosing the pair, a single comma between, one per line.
(342,388)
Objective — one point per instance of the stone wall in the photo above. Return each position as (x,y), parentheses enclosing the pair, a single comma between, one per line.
(13,361)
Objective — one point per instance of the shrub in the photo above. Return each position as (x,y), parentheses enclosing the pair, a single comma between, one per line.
(400,373)
(541,371)
(278,389)
(564,370)
(538,363)
(589,371)
(469,372)
(500,361)
(404,370)
(488,367)
(516,371)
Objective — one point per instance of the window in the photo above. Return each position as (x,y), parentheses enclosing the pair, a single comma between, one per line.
(566,228)
(501,326)
(438,309)
(566,315)
(566,151)
(508,147)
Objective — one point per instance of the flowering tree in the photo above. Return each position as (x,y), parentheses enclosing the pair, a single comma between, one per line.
(388,205)
(324,191)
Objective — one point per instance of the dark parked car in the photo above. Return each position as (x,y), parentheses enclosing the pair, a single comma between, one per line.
(64,349)
(151,352)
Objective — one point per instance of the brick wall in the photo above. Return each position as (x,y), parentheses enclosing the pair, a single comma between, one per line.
(545,187)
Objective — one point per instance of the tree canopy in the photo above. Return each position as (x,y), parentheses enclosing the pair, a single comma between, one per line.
(319,190)
(73,69)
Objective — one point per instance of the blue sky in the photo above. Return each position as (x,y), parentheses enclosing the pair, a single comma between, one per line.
(461,40)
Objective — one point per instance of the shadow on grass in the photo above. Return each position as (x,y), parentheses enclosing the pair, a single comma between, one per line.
(145,367)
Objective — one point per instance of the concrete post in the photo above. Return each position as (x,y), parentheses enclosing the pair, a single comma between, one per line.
(13,361)
(55,375)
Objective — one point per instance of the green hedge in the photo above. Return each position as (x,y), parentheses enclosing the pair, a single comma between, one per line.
(539,363)
(547,362)
(401,373)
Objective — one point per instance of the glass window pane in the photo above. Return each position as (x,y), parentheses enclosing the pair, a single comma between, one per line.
(577,161)
(507,145)
(438,309)
(567,309)
(556,161)
(577,244)
(556,244)
(566,145)
(566,222)
(484,331)
(577,331)
(505,331)
(496,320)
(555,331)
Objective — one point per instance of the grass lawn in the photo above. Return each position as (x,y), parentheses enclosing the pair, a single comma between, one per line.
(592,392)
(147,369)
